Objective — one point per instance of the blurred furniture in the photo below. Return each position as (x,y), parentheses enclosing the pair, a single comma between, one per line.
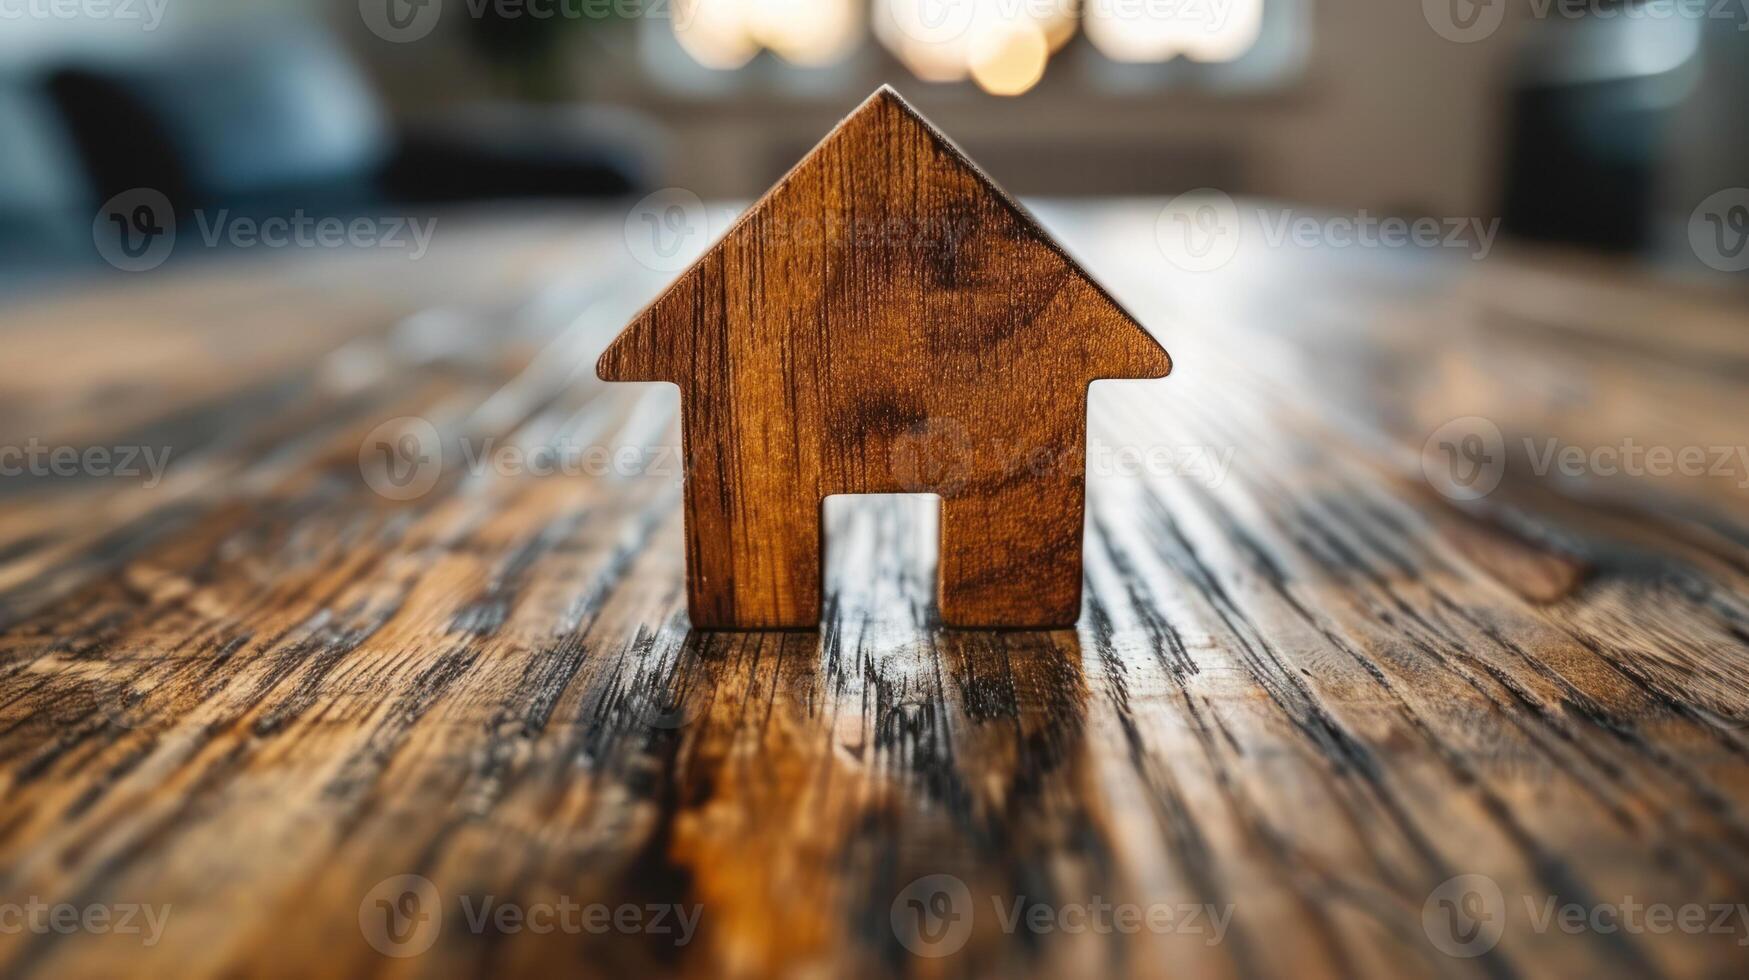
(1591,113)
(1307,691)
(44,199)
(506,151)
(1713,143)
(270,123)
(273,121)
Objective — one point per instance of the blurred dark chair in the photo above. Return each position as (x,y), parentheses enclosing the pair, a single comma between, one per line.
(46,205)
(1581,165)
(275,121)
(1590,116)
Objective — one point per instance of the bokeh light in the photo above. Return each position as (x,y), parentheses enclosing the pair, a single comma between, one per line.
(808,32)
(1009,59)
(1057,18)
(997,43)
(1123,30)
(717,33)
(1002,44)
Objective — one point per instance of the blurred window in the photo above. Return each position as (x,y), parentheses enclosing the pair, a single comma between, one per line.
(1005,47)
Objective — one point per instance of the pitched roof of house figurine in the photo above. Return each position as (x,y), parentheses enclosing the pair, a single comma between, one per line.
(885,320)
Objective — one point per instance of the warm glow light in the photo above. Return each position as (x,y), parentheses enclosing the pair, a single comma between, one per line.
(1009,59)
(1127,31)
(996,42)
(1057,18)
(807,32)
(944,40)
(933,62)
(925,35)
(717,33)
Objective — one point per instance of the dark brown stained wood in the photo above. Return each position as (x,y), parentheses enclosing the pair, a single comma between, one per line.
(885,320)
(1306,687)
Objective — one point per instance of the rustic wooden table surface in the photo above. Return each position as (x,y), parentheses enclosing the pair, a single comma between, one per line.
(322,699)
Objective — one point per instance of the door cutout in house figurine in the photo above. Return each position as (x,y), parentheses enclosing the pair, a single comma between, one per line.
(881,555)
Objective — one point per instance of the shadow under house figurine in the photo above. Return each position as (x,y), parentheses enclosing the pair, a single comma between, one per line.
(885,320)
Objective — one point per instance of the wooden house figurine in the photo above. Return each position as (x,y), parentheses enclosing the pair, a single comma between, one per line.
(885,320)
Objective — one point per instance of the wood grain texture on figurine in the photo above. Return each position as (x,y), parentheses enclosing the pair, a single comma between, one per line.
(885,320)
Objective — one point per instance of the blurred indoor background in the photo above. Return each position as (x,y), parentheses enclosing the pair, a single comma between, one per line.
(1599,125)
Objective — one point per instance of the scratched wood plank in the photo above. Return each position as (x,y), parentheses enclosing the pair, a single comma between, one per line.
(1306,689)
